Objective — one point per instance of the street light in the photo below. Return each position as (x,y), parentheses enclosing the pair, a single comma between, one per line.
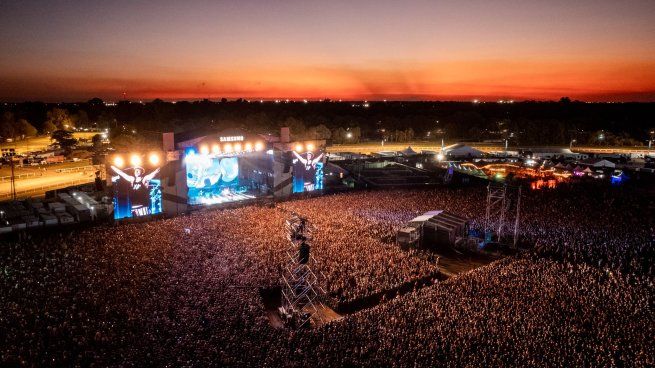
(571,144)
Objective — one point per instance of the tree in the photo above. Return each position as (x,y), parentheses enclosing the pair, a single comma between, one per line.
(296,127)
(80,119)
(126,142)
(49,127)
(25,128)
(60,118)
(319,132)
(95,102)
(97,142)
(65,140)
(7,125)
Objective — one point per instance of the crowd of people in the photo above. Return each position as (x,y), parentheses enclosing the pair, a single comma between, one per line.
(186,291)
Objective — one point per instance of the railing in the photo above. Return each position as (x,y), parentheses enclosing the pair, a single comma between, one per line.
(44,188)
(77,169)
(20,176)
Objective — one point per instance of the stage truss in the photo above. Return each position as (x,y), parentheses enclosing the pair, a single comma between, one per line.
(503,211)
(300,290)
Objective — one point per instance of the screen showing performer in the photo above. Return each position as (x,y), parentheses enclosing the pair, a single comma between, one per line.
(216,178)
(307,171)
(136,192)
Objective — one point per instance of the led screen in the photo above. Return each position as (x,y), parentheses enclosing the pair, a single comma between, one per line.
(215,179)
(137,192)
(307,171)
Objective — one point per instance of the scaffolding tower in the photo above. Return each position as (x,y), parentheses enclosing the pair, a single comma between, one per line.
(300,291)
(503,211)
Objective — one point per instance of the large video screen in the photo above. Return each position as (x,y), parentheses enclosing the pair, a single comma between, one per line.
(137,191)
(307,171)
(213,179)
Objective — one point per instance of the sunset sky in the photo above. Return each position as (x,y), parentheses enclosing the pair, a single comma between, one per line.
(456,50)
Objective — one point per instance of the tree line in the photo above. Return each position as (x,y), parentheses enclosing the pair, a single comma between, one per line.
(521,123)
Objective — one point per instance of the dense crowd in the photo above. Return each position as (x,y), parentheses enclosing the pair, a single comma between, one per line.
(186,290)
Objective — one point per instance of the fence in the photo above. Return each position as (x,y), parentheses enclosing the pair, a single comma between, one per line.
(20,176)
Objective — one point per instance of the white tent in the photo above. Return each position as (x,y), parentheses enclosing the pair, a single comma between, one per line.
(462,150)
(408,151)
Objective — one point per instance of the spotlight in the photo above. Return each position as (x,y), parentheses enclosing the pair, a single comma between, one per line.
(227,148)
(216,148)
(259,146)
(237,147)
(119,162)
(299,147)
(248,146)
(154,159)
(204,150)
(310,147)
(135,160)
(439,156)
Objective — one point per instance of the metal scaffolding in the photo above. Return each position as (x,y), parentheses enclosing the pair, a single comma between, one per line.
(503,202)
(299,283)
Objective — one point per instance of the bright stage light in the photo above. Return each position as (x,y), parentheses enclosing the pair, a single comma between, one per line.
(237,147)
(119,162)
(154,159)
(439,156)
(259,146)
(227,148)
(216,148)
(248,146)
(299,147)
(204,150)
(135,160)
(310,147)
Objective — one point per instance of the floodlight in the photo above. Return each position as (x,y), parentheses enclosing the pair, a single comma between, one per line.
(135,160)
(119,162)
(154,159)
